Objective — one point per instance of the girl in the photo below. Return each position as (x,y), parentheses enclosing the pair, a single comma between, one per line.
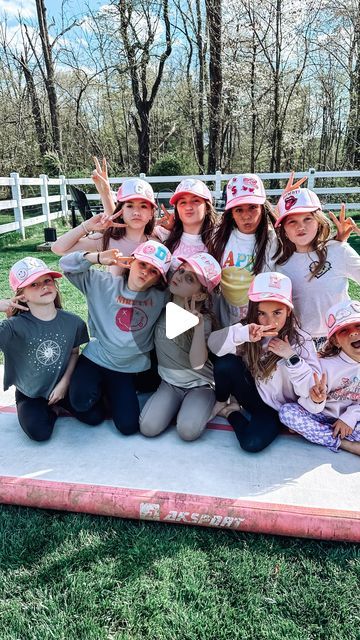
(243,243)
(122,314)
(135,208)
(319,268)
(276,364)
(193,223)
(186,390)
(40,342)
(331,416)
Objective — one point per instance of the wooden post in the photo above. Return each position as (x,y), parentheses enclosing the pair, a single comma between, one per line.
(63,196)
(45,194)
(16,195)
(311,178)
(218,190)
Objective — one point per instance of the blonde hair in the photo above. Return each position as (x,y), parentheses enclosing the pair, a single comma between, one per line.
(286,248)
(19,292)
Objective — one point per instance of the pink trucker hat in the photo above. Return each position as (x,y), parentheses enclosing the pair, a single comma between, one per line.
(136,189)
(342,314)
(27,270)
(246,188)
(271,286)
(192,186)
(297,201)
(154,253)
(206,268)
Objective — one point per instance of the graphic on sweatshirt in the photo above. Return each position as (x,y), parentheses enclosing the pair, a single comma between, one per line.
(349,390)
(132,319)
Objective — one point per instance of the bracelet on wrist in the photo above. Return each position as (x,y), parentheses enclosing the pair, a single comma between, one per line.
(98,258)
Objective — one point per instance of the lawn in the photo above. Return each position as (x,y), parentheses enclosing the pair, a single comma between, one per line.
(75,577)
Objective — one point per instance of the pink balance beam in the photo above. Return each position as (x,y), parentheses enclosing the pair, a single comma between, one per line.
(191,509)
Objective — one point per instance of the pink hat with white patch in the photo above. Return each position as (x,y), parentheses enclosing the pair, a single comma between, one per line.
(154,253)
(136,189)
(194,187)
(206,268)
(271,286)
(27,270)
(297,201)
(342,314)
(246,188)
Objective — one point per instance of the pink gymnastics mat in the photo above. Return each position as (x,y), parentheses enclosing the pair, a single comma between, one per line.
(292,488)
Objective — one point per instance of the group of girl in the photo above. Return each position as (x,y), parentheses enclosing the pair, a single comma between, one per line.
(269,290)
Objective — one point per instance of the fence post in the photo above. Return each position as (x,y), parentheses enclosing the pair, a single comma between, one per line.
(142,176)
(18,210)
(45,194)
(218,184)
(311,178)
(63,196)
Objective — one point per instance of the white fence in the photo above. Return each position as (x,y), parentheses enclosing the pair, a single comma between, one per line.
(18,202)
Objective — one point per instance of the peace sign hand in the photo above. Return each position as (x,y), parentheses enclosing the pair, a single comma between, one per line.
(190,305)
(318,393)
(8,304)
(100,177)
(167,220)
(290,186)
(259,331)
(109,220)
(345,226)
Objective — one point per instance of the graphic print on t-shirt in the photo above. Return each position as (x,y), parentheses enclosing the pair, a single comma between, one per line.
(349,390)
(326,267)
(236,277)
(46,351)
(131,319)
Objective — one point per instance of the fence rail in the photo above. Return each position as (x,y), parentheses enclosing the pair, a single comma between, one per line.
(18,202)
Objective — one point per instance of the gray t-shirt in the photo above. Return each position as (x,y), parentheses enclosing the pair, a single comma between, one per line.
(173,357)
(37,352)
(121,321)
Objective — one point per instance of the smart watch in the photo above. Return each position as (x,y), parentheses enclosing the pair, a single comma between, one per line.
(295,359)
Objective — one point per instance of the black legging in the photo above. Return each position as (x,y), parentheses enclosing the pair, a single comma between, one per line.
(37,417)
(90,382)
(233,378)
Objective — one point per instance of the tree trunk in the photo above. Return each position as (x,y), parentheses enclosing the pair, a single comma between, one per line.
(214,19)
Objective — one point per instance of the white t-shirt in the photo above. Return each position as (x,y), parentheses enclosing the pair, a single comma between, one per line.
(188,245)
(312,298)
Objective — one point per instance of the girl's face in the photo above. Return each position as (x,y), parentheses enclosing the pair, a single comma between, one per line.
(137,213)
(348,339)
(273,312)
(247,217)
(42,291)
(184,283)
(301,229)
(142,275)
(191,209)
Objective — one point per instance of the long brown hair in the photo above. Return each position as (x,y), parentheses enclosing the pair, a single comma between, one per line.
(226,226)
(206,229)
(286,248)
(261,365)
(329,349)
(19,292)
(116,233)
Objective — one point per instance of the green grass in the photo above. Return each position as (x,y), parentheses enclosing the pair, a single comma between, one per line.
(75,577)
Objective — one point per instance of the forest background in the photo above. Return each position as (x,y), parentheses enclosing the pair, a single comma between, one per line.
(179,86)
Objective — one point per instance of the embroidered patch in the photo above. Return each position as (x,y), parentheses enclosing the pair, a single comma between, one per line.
(326,267)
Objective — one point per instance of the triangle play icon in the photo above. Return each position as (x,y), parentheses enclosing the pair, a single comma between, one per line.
(177,320)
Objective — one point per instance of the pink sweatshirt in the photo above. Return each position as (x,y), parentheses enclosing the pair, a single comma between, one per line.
(288,382)
(343,384)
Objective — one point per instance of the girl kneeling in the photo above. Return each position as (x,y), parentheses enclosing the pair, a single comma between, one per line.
(277,362)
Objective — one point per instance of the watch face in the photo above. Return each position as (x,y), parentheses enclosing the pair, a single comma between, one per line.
(294,359)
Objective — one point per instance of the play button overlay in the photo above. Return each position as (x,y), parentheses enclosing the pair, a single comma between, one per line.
(177,320)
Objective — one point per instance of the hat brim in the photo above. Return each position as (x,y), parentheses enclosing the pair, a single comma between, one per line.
(136,197)
(177,196)
(250,199)
(294,212)
(264,297)
(341,325)
(39,274)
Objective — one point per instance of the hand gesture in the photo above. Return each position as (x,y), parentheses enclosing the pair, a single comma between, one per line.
(190,305)
(290,186)
(345,226)
(341,429)
(281,348)
(8,304)
(100,177)
(259,331)
(113,256)
(167,220)
(58,392)
(318,392)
